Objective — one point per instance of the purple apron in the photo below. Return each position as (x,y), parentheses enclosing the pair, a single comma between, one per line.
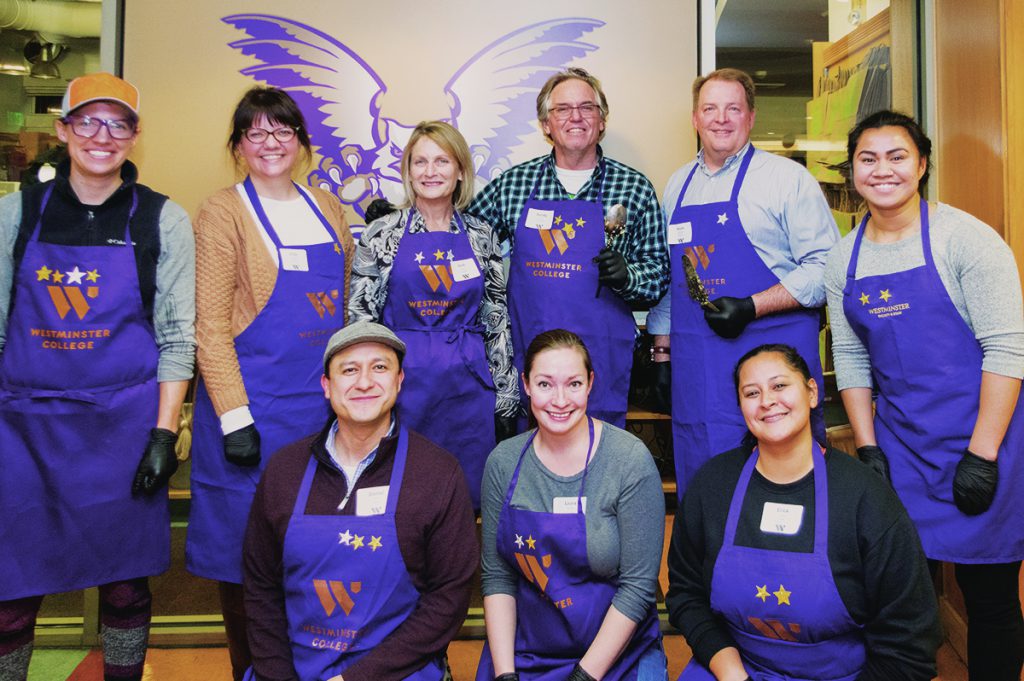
(926,365)
(551,285)
(78,396)
(346,585)
(706,417)
(433,303)
(800,631)
(280,355)
(560,603)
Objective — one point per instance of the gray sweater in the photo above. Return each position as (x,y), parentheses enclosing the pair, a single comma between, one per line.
(978,271)
(625,510)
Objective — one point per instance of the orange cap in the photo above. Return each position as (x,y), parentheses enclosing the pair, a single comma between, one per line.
(99,87)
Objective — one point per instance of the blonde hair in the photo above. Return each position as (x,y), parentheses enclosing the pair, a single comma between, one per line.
(454,144)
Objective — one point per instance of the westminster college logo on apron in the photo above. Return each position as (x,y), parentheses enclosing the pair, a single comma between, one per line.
(323,302)
(438,273)
(70,291)
(555,231)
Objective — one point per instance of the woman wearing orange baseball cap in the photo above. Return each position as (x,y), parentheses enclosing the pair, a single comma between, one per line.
(97,279)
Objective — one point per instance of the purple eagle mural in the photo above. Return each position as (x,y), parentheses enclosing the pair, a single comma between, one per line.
(491,98)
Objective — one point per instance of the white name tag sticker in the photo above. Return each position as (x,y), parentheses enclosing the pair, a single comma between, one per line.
(781,518)
(294,259)
(567,505)
(371,500)
(680,233)
(464,270)
(539,219)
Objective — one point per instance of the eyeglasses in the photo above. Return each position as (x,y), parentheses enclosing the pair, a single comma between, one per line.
(587,110)
(282,135)
(89,127)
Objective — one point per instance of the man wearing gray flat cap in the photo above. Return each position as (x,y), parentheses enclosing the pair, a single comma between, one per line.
(361,545)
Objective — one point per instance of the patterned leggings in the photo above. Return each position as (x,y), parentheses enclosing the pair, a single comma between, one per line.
(125,612)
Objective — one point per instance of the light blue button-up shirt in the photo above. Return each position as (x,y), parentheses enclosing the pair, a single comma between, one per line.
(783,212)
(360,467)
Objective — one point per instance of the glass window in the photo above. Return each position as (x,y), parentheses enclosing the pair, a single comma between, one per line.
(820,66)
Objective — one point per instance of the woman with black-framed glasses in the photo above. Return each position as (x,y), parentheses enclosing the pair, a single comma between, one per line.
(273,261)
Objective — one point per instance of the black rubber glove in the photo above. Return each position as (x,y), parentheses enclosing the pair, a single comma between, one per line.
(578,674)
(242,447)
(508,676)
(661,387)
(158,462)
(732,317)
(504,427)
(974,484)
(611,268)
(876,460)
(378,208)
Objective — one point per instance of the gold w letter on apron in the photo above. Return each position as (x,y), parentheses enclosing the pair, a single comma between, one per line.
(776,629)
(67,297)
(333,594)
(554,238)
(437,275)
(532,570)
(322,302)
(698,254)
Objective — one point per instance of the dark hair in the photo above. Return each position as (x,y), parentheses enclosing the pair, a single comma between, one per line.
(790,356)
(553,340)
(886,118)
(276,105)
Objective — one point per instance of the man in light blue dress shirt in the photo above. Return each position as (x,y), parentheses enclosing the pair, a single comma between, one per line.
(765,276)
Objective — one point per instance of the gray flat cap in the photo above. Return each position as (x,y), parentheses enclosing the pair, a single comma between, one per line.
(362,332)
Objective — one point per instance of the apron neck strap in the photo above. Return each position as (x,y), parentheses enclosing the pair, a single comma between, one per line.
(318,213)
(42,209)
(820,499)
(926,237)
(261,214)
(307,482)
(689,178)
(398,470)
(395,484)
(926,243)
(851,267)
(583,479)
(586,464)
(741,174)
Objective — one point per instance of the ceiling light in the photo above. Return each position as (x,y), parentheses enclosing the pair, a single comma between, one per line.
(46,70)
(44,57)
(11,62)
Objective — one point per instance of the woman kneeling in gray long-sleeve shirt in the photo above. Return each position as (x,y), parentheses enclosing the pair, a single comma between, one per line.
(570,586)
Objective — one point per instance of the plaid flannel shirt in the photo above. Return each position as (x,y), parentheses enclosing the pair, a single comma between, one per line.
(643,244)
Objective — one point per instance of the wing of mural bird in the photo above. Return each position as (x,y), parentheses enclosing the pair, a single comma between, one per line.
(339,94)
(491,98)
